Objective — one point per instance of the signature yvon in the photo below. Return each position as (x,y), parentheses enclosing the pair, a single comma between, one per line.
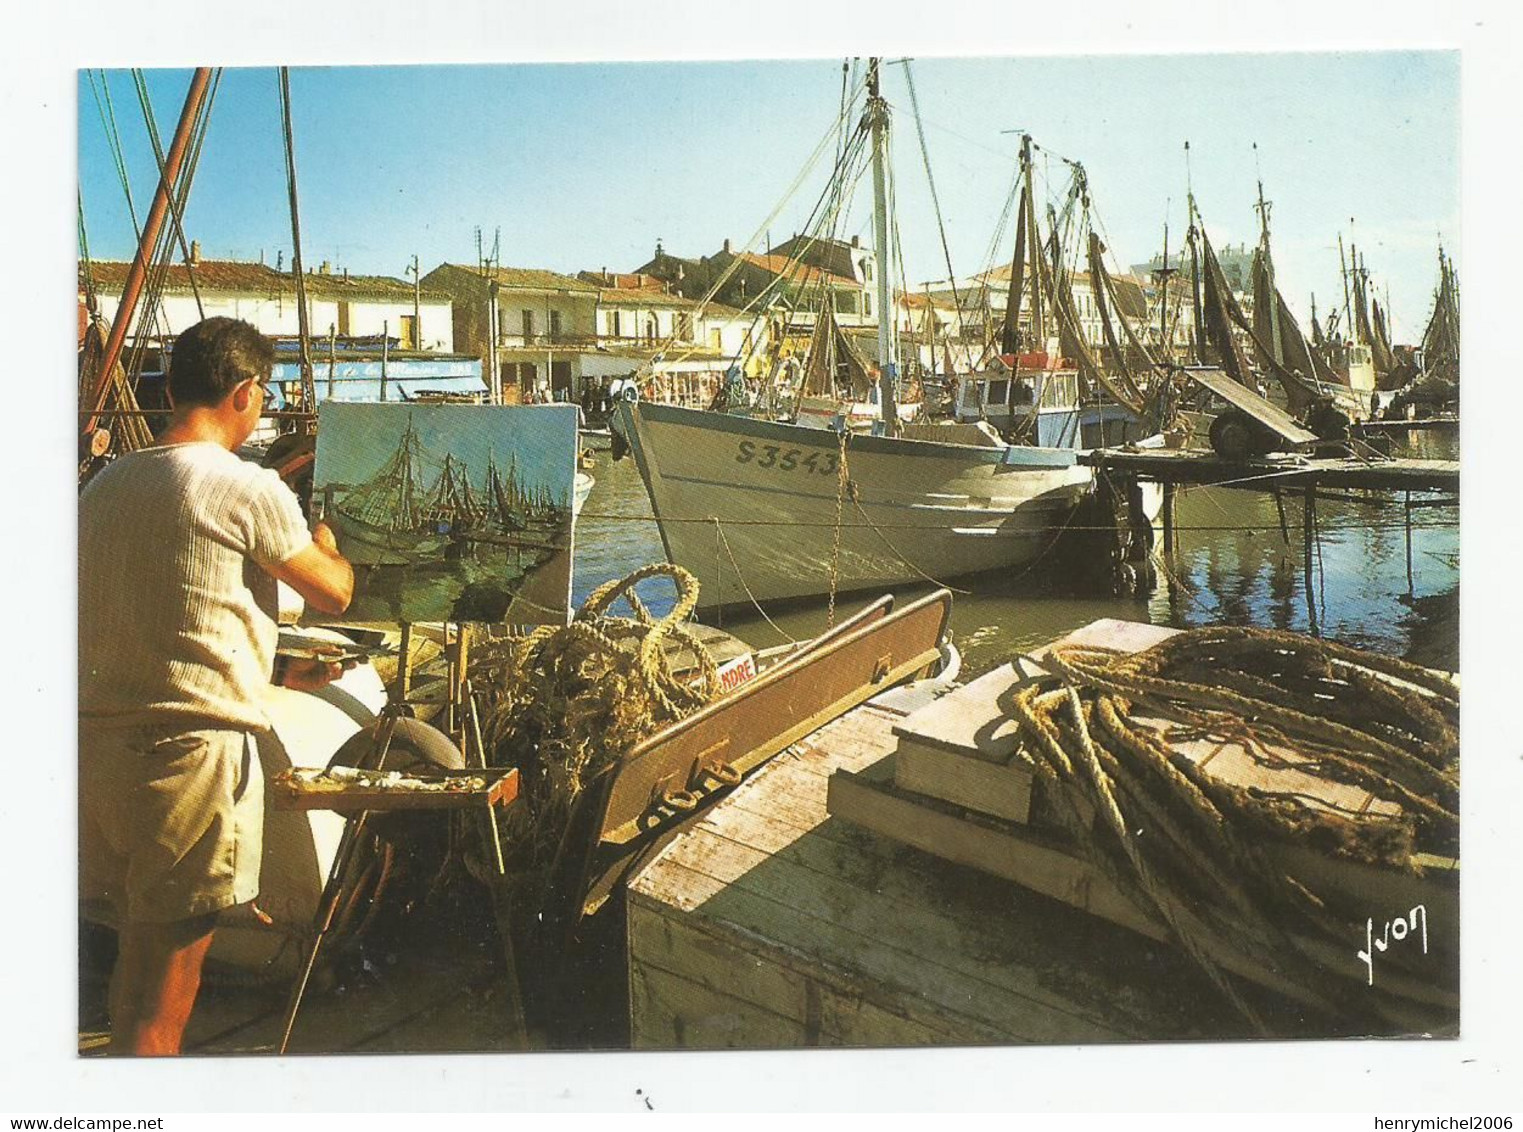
(1398,929)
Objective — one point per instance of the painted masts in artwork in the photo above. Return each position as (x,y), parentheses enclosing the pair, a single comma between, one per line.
(877,110)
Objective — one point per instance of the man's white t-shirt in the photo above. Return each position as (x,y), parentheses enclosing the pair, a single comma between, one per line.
(177,617)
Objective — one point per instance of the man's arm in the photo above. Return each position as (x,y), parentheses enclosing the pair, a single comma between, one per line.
(319,573)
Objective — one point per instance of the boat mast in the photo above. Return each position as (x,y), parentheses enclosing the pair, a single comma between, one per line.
(1348,305)
(1034,251)
(1271,295)
(877,117)
(1192,237)
(1161,276)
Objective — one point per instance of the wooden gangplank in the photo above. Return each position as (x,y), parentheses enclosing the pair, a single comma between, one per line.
(1270,473)
(1266,412)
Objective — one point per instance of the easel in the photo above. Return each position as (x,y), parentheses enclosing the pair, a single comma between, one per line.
(463,725)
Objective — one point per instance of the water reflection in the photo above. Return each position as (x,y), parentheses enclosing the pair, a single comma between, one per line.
(1235,564)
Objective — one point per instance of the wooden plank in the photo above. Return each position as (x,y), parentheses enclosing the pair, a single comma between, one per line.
(1019,854)
(289,792)
(752,969)
(1266,412)
(987,788)
(738,733)
(975,719)
(964,749)
(833,901)
(1285,472)
(671,1012)
(1269,767)
(1036,860)
(1110,633)
(819,943)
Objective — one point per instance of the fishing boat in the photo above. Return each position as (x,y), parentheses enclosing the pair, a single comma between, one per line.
(760,510)
(839,387)
(1429,377)
(1311,389)
(1041,382)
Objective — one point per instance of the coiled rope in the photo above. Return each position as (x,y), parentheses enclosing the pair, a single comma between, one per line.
(1193,848)
(566,702)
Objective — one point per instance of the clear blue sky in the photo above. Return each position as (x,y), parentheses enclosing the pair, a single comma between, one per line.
(587,165)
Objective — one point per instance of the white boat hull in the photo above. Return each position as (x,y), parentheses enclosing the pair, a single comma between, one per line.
(751,507)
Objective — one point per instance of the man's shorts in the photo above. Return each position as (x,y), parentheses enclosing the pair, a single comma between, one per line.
(170,822)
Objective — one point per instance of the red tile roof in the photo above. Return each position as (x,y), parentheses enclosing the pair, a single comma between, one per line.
(237,276)
(782,265)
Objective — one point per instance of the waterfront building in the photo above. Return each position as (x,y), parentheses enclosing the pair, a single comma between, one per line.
(371,337)
(794,276)
(338,302)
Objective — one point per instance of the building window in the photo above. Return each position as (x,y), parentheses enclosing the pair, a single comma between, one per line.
(716,339)
(685,327)
(555,324)
(651,330)
(528,324)
(613,324)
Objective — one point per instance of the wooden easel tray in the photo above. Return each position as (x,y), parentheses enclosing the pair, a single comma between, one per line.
(298,789)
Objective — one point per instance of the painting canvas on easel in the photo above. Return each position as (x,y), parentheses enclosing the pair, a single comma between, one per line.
(451,512)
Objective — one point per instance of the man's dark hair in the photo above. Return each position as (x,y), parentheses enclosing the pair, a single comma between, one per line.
(213,356)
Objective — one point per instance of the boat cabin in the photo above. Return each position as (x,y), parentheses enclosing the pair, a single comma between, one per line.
(1040,407)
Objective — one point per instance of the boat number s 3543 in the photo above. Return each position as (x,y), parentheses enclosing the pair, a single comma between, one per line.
(785,459)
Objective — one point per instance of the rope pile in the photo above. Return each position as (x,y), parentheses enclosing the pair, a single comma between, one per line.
(1190,847)
(566,702)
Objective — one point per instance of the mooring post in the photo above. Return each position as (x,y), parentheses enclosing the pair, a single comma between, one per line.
(1309,533)
(1168,518)
(1279,503)
(1407,509)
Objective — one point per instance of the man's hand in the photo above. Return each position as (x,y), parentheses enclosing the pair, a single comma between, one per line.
(322,534)
(309,675)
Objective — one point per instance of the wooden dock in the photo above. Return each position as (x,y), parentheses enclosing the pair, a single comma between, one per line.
(1189,466)
(795,915)
(772,924)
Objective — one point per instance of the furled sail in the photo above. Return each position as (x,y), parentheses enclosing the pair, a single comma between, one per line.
(1106,301)
(1010,333)
(1441,341)
(1370,331)
(833,361)
(1222,312)
(1059,288)
(1388,373)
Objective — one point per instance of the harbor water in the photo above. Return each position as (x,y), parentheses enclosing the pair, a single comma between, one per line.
(1372,586)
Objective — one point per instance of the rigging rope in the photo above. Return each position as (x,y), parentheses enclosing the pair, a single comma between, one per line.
(174,209)
(925,157)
